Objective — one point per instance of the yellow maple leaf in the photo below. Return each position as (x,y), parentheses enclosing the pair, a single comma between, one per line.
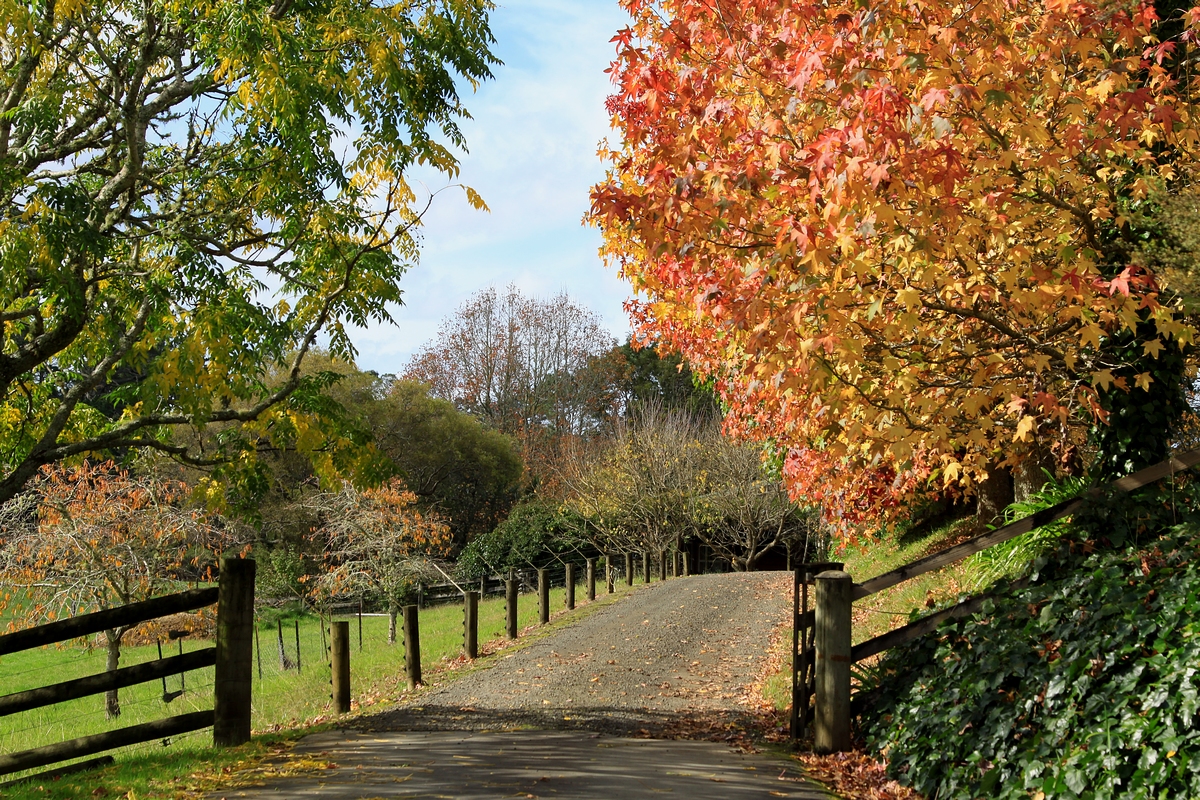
(1102,378)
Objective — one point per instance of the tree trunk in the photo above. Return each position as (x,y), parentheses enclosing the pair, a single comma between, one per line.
(112,644)
(392,612)
(1030,475)
(993,495)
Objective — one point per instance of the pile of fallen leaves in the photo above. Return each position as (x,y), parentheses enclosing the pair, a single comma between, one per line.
(855,776)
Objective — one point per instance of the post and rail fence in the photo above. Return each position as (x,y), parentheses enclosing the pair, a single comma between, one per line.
(821,637)
(231,656)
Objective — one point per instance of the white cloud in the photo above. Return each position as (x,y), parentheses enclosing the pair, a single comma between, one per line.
(533,158)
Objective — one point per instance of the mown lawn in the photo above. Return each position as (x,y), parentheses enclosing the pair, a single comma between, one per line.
(285,703)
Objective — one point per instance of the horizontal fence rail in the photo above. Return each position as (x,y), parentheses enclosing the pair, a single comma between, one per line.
(99,742)
(915,630)
(54,774)
(950,555)
(87,624)
(1129,483)
(106,681)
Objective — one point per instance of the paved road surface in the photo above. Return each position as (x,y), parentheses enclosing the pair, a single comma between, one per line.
(551,719)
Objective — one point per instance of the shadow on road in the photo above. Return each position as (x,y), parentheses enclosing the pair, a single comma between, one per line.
(469,765)
(710,725)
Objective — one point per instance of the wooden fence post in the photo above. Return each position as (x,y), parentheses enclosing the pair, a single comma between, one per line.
(629,569)
(510,607)
(687,564)
(662,565)
(257,650)
(471,624)
(645,566)
(340,656)
(610,576)
(543,596)
(235,642)
(412,647)
(834,599)
(284,661)
(591,579)
(570,587)
(798,579)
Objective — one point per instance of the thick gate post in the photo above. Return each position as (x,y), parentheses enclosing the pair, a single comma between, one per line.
(412,647)
(235,653)
(340,656)
(591,579)
(645,566)
(835,594)
(629,569)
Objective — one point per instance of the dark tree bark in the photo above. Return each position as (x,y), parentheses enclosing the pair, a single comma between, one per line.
(993,495)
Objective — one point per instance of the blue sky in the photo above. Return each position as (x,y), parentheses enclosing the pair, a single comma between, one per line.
(532,144)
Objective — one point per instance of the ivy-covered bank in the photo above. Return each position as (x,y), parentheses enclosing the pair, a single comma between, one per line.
(1082,684)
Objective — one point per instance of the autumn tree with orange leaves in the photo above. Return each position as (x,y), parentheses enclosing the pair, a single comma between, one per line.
(93,537)
(906,239)
(376,543)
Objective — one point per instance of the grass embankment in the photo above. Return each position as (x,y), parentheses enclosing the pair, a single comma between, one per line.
(286,704)
(892,607)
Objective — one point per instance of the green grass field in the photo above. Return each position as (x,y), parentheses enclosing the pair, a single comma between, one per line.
(282,700)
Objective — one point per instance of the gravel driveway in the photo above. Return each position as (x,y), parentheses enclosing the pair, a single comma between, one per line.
(672,660)
(681,651)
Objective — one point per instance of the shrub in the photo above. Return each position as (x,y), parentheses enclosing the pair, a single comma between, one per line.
(1082,684)
(536,534)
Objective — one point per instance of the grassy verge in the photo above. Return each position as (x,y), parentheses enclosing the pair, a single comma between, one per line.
(891,608)
(287,704)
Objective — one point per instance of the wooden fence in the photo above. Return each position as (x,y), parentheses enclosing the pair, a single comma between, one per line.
(665,564)
(828,678)
(231,656)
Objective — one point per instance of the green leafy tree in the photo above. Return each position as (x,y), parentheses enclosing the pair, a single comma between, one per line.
(469,473)
(536,534)
(648,375)
(191,195)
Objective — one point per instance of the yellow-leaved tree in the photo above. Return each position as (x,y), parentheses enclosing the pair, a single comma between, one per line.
(191,195)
